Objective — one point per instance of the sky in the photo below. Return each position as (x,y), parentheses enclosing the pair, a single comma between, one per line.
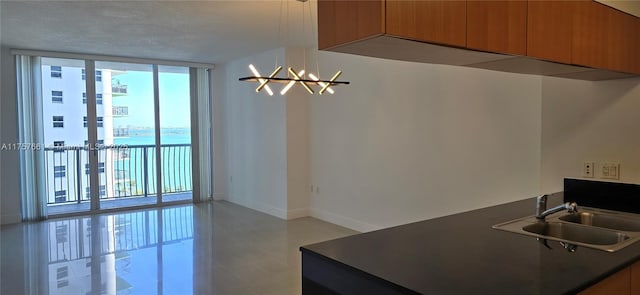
(174,99)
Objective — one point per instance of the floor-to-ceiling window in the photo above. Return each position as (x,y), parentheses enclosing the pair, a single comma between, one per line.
(175,133)
(63,117)
(129,155)
(115,134)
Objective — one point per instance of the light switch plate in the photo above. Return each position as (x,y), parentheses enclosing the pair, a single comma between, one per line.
(610,170)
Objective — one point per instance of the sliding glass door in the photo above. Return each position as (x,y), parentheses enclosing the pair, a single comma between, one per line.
(175,133)
(136,126)
(128,157)
(65,138)
(110,134)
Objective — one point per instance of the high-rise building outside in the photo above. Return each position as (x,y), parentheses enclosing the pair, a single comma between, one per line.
(65,130)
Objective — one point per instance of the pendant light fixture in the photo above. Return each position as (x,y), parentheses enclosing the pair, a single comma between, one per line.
(292,77)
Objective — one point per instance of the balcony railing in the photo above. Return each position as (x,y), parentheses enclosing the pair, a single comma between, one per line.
(118,89)
(120,111)
(124,172)
(121,132)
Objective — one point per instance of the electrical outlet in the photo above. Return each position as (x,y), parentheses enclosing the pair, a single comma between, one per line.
(610,170)
(317,189)
(587,169)
(312,188)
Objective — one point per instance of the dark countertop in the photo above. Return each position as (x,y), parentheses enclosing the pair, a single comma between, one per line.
(461,254)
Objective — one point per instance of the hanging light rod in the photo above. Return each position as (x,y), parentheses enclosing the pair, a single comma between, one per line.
(297,78)
(292,77)
(322,83)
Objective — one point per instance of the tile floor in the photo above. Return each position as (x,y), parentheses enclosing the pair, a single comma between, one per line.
(207,248)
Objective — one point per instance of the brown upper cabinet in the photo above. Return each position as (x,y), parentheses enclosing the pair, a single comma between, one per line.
(557,38)
(549,30)
(584,33)
(497,26)
(341,22)
(441,22)
(605,38)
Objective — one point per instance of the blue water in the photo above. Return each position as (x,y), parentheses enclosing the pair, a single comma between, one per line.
(147,137)
(176,161)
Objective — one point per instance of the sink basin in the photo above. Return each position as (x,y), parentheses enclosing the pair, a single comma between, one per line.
(592,228)
(610,221)
(576,233)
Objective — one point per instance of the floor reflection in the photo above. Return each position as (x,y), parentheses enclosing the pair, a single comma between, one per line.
(147,250)
(208,248)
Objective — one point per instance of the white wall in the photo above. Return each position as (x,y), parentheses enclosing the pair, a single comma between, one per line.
(10,190)
(408,141)
(267,137)
(256,138)
(589,121)
(298,140)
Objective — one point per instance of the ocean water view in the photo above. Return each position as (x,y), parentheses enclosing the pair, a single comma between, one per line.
(147,137)
(176,161)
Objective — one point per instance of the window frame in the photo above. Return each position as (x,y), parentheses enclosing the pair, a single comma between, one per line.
(59,171)
(56,73)
(98,98)
(58,123)
(57,98)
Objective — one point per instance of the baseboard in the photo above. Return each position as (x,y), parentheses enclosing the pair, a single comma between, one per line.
(262,207)
(297,213)
(340,220)
(10,219)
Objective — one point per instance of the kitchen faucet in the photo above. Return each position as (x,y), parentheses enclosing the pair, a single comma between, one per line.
(542,212)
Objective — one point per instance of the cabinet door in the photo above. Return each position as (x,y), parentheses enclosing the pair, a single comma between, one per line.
(442,22)
(635,278)
(605,38)
(497,26)
(590,34)
(624,36)
(618,283)
(549,30)
(341,22)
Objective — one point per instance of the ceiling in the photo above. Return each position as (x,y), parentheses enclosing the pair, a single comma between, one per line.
(629,6)
(211,31)
(196,31)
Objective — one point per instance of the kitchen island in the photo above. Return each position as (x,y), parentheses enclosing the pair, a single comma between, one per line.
(457,254)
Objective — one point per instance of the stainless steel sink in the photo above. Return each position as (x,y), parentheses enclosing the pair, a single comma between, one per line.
(576,233)
(592,228)
(615,221)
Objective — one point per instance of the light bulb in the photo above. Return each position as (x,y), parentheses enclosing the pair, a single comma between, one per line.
(262,81)
(298,79)
(313,77)
(290,84)
(332,79)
